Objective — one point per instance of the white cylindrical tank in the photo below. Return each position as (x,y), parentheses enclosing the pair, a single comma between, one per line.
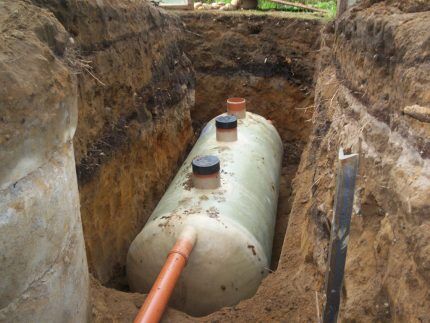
(234,222)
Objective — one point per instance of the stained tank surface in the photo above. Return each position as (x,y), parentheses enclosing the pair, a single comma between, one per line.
(234,223)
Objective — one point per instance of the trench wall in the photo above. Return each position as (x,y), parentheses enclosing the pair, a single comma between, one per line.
(387,271)
(267,59)
(43,261)
(134,99)
(118,67)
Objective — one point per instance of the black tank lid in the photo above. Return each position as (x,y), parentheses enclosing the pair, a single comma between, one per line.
(226,122)
(206,165)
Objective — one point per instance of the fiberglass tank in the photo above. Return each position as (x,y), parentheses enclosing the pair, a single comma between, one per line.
(234,222)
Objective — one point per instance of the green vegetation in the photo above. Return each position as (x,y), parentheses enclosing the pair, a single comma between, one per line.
(266,5)
(329,5)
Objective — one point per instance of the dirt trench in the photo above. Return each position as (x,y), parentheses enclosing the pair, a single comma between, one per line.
(352,109)
(276,78)
(142,100)
(146,81)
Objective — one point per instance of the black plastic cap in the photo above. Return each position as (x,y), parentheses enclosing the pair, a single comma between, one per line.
(206,165)
(226,122)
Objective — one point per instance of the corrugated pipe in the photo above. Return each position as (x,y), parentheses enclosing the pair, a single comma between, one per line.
(155,303)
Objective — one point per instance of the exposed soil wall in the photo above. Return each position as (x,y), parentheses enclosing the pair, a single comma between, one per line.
(387,266)
(135,90)
(43,262)
(267,59)
(120,66)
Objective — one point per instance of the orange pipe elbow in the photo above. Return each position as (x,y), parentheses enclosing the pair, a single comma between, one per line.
(155,303)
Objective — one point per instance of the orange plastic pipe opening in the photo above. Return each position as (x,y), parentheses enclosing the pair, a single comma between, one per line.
(236,104)
(155,303)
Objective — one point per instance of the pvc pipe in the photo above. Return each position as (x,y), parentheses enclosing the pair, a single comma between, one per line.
(236,107)
(157,299)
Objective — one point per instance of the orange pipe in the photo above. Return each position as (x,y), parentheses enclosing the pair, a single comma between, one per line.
(155,303)
(236,104)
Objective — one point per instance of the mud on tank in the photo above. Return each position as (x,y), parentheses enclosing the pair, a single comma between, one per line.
(234,222)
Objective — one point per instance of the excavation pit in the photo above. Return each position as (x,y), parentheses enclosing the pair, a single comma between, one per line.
(142,83)
(272,69)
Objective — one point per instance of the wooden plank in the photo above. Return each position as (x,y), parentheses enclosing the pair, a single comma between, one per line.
(343,203)
(299,5)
